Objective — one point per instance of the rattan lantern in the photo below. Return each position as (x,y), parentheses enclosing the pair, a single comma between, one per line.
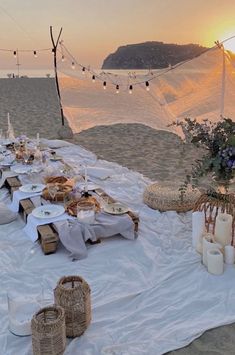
(48,331)
(73,294)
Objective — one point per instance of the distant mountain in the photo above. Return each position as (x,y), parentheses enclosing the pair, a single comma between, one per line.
(153,55)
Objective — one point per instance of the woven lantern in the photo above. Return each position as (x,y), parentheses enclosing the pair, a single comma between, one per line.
(213,203)
(48,331)
(73,294)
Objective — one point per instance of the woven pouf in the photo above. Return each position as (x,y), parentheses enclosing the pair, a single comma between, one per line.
(167,197)
(73,294)
(48,331)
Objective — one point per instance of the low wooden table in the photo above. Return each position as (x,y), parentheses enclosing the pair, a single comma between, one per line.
(47,235)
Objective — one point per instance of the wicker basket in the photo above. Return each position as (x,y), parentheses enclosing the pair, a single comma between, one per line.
(73,294)
(48,331)
(211,204)
(166,197)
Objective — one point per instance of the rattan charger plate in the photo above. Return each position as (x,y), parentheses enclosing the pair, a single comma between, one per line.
(166,197)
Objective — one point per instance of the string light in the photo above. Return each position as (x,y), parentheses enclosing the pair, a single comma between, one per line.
(93,78)
(104,85)
(130,89)
(83,70)
(14,53)
(35,54)
(73,65)
(63,58)
(117,89)
(147,85)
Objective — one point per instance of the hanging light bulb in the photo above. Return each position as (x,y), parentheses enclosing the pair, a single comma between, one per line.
(147,85)
(73,65)
(62,58)
(83,70)
(35,54)
(104,85)
(117,89)
(93,78)
(14,53)
(130,89)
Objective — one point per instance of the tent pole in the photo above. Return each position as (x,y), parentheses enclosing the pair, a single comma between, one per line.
(54,51)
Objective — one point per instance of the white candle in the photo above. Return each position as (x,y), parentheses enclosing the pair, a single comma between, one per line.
(208,243)
(20,317)
(215,262)
(86,185)
(223,229)
(37,139)
(198,227)
(229,254)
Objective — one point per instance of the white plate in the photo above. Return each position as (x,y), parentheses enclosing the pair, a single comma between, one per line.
(32,188)
(90,186)
(21,169)
(56,158)
(48,211)
(116,208)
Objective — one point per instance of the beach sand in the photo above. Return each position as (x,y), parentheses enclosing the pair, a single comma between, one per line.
(159,155)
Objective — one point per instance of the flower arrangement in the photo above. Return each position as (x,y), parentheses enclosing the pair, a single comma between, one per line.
(218,139)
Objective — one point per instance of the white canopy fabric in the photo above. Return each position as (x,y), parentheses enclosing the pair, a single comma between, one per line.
(193,89)
(149,296)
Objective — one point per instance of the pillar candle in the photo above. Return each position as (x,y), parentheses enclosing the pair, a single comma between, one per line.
(229,254)
(86,186)
(198,227)
(223,229)
(208,243)
(215,262)
(37,139)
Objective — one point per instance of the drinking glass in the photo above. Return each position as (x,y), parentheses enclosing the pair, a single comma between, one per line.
(52,189)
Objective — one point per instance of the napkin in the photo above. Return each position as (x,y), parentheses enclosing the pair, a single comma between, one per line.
(74,234)
(99,173)
(33,222)
(5,175)
(19,195)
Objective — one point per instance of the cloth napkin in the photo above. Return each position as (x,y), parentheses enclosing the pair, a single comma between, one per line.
(19,195)
(5,175)
(74,234)
(99,173)
(33,222)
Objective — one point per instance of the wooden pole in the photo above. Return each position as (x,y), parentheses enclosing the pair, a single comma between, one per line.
(54,51)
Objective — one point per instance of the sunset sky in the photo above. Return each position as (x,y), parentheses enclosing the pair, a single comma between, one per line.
(94,28)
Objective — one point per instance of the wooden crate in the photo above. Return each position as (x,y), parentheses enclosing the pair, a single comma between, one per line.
(48,238)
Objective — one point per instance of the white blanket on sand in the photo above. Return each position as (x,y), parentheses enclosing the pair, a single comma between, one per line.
(149,295)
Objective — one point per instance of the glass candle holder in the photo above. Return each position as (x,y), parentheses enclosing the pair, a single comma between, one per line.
(86,214)
(20,312)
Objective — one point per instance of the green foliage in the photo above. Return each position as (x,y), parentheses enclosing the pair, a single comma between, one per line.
(218,139)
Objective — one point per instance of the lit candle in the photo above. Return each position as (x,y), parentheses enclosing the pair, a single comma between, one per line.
(223,229)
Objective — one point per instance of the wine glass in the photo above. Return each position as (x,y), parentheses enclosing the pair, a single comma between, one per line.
(52,189)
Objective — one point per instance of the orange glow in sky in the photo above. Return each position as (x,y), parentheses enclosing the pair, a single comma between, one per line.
(92,29)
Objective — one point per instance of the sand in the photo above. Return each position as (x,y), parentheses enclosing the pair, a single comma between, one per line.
(159,155)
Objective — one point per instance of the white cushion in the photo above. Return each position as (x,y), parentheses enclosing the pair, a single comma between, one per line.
(6,215)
